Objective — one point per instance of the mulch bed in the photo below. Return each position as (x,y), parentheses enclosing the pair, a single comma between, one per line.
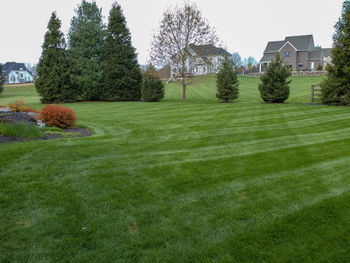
(21,117)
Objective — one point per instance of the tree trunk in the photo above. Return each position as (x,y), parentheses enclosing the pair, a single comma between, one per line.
(184,89)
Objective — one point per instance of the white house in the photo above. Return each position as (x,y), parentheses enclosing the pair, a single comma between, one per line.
(201,60)
(16,73)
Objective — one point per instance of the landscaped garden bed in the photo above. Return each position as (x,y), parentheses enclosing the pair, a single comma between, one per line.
(28,126)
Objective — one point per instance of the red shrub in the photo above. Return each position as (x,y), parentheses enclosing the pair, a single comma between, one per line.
(58,116)
(2,107)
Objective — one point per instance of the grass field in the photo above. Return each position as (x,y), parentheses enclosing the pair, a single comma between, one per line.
(173,182)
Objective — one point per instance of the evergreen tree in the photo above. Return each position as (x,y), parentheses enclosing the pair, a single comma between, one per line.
(275,86)
(152,86)
(53,72)
(336,87)
(121,72)
(227,82)
(2,80)
(86,36)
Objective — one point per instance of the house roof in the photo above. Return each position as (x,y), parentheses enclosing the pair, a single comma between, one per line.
(315,54)
(12,66)
(267,58)
(208,50)
(327,52)
(274,46)
(301,43)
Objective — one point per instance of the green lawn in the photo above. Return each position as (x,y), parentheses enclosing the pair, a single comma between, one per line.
(173,182)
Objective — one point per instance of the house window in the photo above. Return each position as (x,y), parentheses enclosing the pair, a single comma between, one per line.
(287,54)
(301,65)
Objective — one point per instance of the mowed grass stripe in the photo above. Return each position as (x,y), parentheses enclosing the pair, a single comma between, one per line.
(199,181)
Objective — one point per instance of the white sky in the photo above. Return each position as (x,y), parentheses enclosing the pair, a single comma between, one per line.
(244,26)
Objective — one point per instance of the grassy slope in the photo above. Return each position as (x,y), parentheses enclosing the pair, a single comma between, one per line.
(173,182)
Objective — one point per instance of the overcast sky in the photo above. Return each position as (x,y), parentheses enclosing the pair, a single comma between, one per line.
(244,26)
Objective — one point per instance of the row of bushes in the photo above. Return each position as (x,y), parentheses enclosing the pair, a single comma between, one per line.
(52,115)
(274,87)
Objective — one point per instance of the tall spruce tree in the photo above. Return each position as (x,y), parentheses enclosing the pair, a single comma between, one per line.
(227,82)
(121,72)
(275,84)
(85,39)
(336,87)
(152,86)
(2,80)
(53,72)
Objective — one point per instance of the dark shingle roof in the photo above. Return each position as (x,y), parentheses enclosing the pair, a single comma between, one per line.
(208,50)
(315,54)
(273,46)
(10,66)
(267,58)
(301,43)
(327,52)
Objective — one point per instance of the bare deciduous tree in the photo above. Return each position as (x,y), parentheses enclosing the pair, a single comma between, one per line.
(180,27)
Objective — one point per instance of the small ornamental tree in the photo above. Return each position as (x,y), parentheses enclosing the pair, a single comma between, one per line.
(152,86)
(275,84)
(180,27)
(121,72)
(319,67)
(2,80)
(53,72)
(227,82)
(336,87)
(85,40)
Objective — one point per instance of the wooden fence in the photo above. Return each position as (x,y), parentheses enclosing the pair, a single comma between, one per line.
(315,93)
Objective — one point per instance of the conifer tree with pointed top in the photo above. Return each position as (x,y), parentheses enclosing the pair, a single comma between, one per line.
(227,82)
(274,87)
(152,86)
(85,43)
(53,72)
(121,72)
(2,80)
(336,87)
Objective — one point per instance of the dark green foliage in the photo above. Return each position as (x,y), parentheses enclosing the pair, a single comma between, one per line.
(336,87)
(227,82)
(53,72)
(85,50)
(275,86)
(319,67)
(152,86)
(121,72)
(2,80)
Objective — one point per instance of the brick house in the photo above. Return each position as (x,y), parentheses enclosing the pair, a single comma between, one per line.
(299,52)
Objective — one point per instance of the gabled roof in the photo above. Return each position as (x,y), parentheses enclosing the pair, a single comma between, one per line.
(13,66)
(208,50)
(301,43)
(274,46)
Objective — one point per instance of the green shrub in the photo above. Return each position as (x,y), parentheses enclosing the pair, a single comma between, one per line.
(275,86)
(21,130)
(319,67)
(227,82)
(152,87)
(2,80)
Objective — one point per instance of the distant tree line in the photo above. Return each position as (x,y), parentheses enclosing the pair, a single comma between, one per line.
(98,63)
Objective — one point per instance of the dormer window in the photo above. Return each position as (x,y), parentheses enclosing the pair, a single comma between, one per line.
(287,54)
